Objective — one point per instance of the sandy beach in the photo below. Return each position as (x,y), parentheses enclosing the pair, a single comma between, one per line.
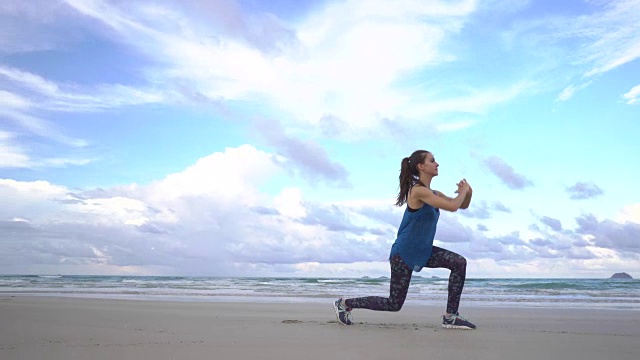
(76,328)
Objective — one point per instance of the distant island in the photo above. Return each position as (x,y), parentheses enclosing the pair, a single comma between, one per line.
(621,275)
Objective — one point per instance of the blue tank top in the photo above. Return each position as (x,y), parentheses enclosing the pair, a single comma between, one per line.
(415,236)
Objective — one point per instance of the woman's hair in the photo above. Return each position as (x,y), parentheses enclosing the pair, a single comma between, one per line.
(409,174)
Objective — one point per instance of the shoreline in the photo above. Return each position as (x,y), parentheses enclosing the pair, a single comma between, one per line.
(513,293)
(278,299)
(35,327)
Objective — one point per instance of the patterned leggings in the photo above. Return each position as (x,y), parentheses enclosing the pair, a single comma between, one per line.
(401,277)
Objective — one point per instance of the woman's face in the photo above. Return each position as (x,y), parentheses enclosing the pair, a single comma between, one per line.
(429,165)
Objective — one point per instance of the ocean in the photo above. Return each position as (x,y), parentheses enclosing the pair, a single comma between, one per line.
(562,293)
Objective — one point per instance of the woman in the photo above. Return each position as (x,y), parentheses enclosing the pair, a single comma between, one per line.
(413,248)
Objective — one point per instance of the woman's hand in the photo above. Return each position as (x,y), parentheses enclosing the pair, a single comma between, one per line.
(467,196)
(463,186)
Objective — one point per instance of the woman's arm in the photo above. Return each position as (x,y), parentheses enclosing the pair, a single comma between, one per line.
(465,202)
(439,200)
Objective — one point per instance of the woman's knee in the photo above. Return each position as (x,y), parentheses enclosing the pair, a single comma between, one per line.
(460,263)
(394,306)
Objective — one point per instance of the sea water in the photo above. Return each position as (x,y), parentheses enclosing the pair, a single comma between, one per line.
(578,293)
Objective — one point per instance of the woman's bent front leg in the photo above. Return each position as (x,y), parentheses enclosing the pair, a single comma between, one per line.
(442,258)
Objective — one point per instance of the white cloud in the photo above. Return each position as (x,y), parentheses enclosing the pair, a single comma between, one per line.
(232,176)
(212,218)
(11,155)
(347,60)
(117,209)
(633,95)
(29,81)
(14,155)
(608,38)
(200,220)
(61,162)
(590,44)
(68,97)
(629,213)
(289,203)
(36,200)
(41,127)
(344,60)
(570,90)
(32,95)
(36,25)
(14,101)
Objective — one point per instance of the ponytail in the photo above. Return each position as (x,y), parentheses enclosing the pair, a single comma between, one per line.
(409,174)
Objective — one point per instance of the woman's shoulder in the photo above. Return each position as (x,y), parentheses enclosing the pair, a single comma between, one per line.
(421,189)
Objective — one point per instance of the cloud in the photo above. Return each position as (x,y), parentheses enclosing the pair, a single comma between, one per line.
(14,155)
(331,218)
(11,155)
(479,210)
(450,230)
(541,242)
(611,36)
(209,218)
(381,214)
(592,241)
(321,70)
(629,213)
(594,42)
(31,95)
(37,25)
(483,209)
(39,93)
(501,248)
(322,66)
(570,90)
(311,159)
(606,38)
(506,173)
(554,224)
(633,95)
(185,221)
(583,190)
(264,31)
(498,206)
(40,127)
(610,234)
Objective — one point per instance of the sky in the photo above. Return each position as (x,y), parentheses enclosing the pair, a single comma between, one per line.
(264,138)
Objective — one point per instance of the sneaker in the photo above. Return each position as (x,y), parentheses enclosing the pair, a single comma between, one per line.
(343,314)
(456,322)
